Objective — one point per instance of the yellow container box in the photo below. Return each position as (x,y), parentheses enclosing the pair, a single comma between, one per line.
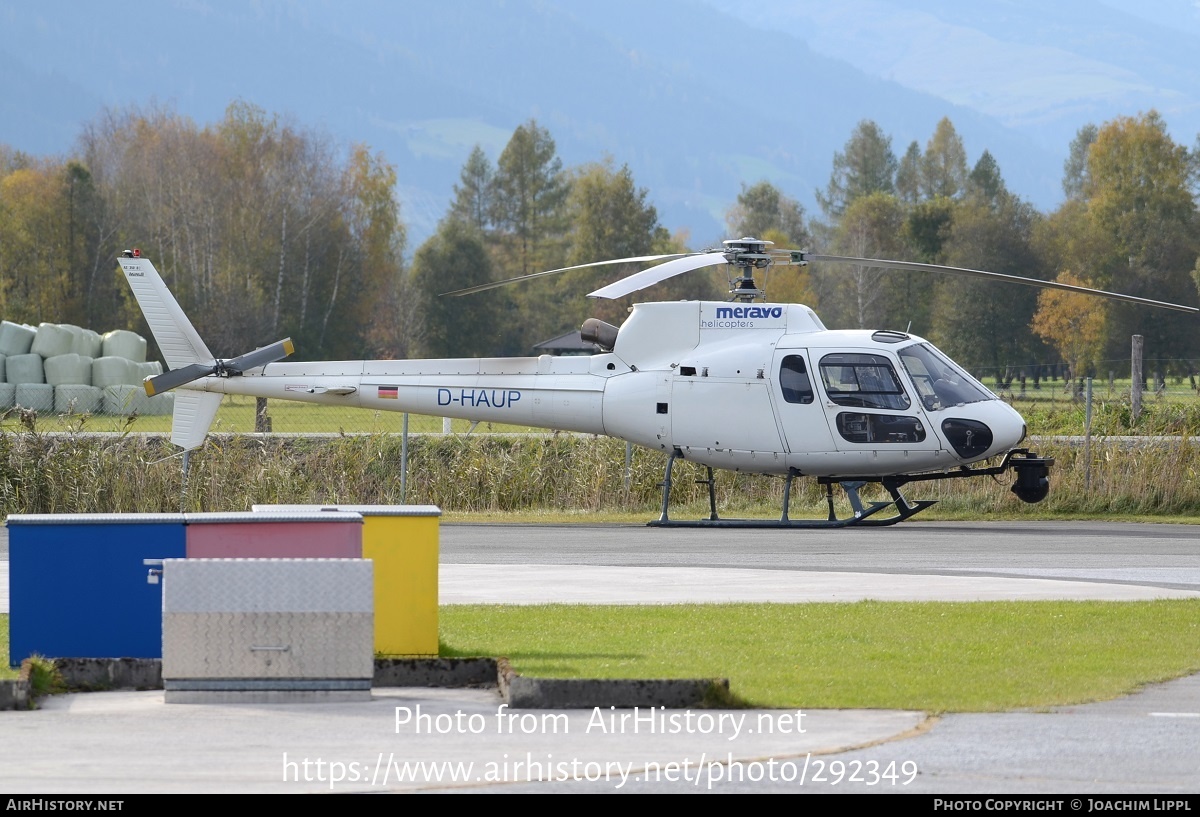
(402,541)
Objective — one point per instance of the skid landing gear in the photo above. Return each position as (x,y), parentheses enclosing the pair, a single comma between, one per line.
(1032,486)
(864,514)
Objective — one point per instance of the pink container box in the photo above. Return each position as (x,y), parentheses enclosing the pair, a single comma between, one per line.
(298,535)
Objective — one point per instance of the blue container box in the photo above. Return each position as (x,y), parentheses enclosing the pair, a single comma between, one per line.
(77,584)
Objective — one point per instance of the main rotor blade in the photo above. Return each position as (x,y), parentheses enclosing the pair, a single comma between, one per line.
(507,281)
(650,277)
(998,276)
(260,357)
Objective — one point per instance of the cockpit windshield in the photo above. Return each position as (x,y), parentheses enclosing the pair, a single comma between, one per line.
(939,382)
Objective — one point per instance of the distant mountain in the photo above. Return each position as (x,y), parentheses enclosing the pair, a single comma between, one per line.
(696,96)
(1043,69)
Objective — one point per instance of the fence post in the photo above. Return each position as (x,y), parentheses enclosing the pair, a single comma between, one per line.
(1135,388)
(1087,440)
(262,423)
(404,460)
(183,486)
(628,466)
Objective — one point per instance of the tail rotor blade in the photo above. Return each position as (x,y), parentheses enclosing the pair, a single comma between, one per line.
(186,374)
(177,377)
(259,357)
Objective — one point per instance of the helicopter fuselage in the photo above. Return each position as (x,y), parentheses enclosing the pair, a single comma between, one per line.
(762,388)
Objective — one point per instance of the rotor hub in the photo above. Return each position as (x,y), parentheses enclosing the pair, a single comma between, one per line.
(747,254)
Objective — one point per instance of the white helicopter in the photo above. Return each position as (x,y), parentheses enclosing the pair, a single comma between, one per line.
(755,387)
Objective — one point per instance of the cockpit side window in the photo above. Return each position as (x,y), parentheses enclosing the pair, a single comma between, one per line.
(939,382)
(862,381)
(793,380)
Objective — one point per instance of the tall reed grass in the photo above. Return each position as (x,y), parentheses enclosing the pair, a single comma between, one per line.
(76,473)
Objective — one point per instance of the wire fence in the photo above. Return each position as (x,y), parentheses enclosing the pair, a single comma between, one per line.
(1037,385)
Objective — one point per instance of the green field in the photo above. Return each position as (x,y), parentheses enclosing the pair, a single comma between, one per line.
(933,656)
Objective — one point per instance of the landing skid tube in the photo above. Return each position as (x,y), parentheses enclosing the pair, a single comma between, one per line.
(864,514)
(1031,486)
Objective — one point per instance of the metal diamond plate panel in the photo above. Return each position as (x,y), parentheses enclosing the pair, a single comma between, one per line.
(268,586)
(268,645)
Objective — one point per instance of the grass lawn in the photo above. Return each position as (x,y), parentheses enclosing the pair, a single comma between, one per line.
(934,656)
(930,656)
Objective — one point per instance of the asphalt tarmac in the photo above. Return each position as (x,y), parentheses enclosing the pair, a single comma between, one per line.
(465,740)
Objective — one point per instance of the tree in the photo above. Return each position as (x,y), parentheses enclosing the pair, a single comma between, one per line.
(473,195)
(926,226)
(1075,324)
(1139,193)
(1132,227)
(530,193)
(984,324)
(761,208)
(866,166)
(371,213)
(862,296)
(944,163)
(610,218)
(908,175)
(454,258)
(985,182)
(1075,168)
(258,226)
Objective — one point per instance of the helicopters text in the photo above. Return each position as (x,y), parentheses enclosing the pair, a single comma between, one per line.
(761,388)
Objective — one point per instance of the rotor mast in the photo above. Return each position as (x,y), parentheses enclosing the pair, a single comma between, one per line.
(747,254)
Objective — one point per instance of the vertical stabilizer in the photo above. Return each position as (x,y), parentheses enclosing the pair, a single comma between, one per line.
(176,337)
(194,414)
(181,347)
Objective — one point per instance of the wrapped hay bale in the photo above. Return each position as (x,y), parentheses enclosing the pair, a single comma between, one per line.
(88,343)
(7,396)
(124,400)
(160,403)
(15,338)
(36,396)
(68,370)
(114,371)
(149,369)
(122,343)
(53,339)
(21,369)
(75,399)
(2,359)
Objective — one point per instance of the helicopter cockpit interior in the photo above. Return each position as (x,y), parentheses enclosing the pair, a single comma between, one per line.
(940,383)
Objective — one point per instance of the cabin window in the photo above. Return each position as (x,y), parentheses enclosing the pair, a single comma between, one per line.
(862,381)
(793,380)
(857,427)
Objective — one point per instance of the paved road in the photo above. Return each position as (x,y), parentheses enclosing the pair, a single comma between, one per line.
(1148,743)
(1134,555)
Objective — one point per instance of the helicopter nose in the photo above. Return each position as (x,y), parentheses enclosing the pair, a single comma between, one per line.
(994,428)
